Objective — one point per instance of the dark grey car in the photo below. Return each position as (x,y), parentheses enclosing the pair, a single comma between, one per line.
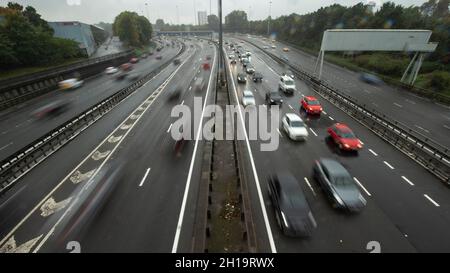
(273,98)
(338,185)
(292,211)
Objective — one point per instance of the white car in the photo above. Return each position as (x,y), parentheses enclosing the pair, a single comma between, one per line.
(248,53)
(231,56)
(250,69)
(111,70)
(287,85)
(265,47)
(294,127)
(274,46)
(248,98)
(70,84)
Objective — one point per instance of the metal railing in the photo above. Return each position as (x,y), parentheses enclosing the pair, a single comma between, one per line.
(21,162)
(427,152)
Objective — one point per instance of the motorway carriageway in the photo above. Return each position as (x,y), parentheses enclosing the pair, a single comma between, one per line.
(407,209)
(430,119)
(146,211)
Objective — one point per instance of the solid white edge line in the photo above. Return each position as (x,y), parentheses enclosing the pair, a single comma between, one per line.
(191,166)
(145,176)
(431,200)
(255,174)
(407,181)
(362,187)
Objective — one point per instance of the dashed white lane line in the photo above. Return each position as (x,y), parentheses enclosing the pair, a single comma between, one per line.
(410,101)
(145,177)
(190,88)
(389,165)
(325,113)
(170,127)
(312,131)
(290,106)
(330,117)
(431,200)
(361,186)
(373,152)
(398,105)
(421,128)
(447,127)
(9,144)
(278,130)
(309,185)
(407,181)
(182,102)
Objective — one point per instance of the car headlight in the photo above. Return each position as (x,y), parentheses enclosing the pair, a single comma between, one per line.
(346,146)
(271,100)
(284,220)
(281,100)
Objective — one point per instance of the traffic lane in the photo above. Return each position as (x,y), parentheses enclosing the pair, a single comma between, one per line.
(291,157)
(421,115)
(399,201)
(32,188)
(20,128)
(154,188)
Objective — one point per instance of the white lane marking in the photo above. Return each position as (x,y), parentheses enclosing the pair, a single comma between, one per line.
(191,166)
(312,131)
(410,101)
(145,177)
(182,102)
(290,106)
(375,154)
(325,113)
(421,128)
(77,167)
(389,165)
(362,187)
(9,144)
(447,127)
(255,174)
(431,200)
(309,185)
(398,105)
(362,143)
(330,117)
(190,88)
(407,181)
(170,127)
(278,130)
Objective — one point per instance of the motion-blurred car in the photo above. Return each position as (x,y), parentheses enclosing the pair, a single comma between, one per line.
(311,105)
(288,73)
(176,61)
(294,127)
(292,211)
(70,84)
(206,66)
(370,78)
(250,69)
(287,85)
(257,77)
(111,70)
(284,58)
(133,76)
(274,46)
(265,47)
(285,49)
(52,109)
(273,98)
(199,84)
(126,67)
(134,60)
(241,78)
(344,137)
(338,185)
(248,98)
(158,57)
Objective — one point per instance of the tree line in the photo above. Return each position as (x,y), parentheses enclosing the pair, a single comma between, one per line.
(134,30)
(27,40)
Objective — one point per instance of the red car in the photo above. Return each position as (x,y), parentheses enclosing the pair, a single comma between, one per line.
(206,66)
(343,136)
(126,67)
(311,105)
(134,60)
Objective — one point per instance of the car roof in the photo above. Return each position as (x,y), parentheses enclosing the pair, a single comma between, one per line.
(333,167)
(293,117)
(286,77)
(311,98)
(248,93)
(342,127)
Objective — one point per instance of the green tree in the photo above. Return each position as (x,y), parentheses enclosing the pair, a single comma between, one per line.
(236,21)
(213,22)
(132,29)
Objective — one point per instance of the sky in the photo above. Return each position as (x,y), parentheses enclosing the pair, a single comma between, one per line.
(177,11)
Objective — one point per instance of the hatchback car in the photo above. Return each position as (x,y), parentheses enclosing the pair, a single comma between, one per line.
(257,77)
(111,70)
(248,98)
(294,127)
(344,137)
(311,105)
(292,211)
(250,69)
(241,78)
(338,185)
(273,98)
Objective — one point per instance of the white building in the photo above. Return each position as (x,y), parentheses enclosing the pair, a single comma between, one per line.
(202,18)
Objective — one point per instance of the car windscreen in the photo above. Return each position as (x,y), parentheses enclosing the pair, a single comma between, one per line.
(297,123)
(289,82)
(342,180)
(313,102)
(346,134)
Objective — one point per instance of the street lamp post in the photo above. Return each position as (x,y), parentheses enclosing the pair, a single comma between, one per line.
(268,21)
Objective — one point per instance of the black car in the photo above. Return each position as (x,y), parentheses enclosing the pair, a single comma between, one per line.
(292,211)
(241,78)
(257,77)
(176,61)
(273,98)
(338,185)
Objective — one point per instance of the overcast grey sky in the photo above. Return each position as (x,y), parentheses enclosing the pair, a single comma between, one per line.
(94,11)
